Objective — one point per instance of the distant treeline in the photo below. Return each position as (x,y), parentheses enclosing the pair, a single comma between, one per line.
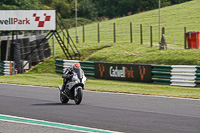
(91,9)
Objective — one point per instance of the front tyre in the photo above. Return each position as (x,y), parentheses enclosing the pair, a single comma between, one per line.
(63,98)
(79,96)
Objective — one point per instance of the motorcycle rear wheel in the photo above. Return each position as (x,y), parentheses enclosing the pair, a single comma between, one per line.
(78,97)
(63,98)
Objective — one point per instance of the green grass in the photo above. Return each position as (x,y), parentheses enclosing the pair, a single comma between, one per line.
(123,52)
(53,80)
(129,53)
(173,18)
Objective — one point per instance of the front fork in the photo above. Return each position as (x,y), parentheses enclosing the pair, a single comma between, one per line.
(62,88)
(64,85)
(76,90)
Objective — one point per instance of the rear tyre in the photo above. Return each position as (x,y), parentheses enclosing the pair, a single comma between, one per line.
(63,98)
(79,96)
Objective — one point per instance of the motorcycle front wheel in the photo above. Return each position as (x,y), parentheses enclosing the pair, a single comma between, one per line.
(63,98)
(79,96)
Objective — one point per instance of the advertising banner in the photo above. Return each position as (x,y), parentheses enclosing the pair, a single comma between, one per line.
(125,72)
(27,20)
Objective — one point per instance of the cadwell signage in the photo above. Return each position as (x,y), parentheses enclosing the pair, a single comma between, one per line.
(126,72)
(27,20)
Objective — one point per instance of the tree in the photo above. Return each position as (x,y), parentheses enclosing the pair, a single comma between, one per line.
(19,5)
(87,9)
(90,9)
(62,8)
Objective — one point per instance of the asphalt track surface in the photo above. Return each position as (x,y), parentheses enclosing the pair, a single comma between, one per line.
(109,111)
(11,127)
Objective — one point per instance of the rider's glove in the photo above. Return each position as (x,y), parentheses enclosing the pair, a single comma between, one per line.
(69,76)
(64,75)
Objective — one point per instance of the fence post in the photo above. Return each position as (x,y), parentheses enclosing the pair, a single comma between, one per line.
(163,30)
(131,32)
(63,37)
(98,33)
(151,36)
(185,45)
(114,33)
(83,33)
(53,45)
(141,33)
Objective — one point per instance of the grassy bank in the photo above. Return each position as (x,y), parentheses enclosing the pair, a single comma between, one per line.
(173,18)
(53,80)
(127,53)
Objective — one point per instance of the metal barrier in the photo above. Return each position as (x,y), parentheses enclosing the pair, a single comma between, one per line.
(197,80)
(1,68)
(68,63)
(87,66)
(183,75)
(59,66)
(7,68)
(178,75)
(161,74)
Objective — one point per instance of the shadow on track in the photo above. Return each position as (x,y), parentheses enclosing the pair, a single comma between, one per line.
(52,104)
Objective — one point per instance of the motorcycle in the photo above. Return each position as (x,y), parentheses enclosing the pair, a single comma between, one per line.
(72,87)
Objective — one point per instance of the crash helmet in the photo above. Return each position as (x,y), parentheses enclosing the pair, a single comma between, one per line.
(76,65)
(78,70)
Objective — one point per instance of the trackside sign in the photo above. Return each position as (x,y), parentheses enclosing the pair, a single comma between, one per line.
(27,20)
(124,72)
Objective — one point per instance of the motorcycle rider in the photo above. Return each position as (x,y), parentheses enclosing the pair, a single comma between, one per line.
(70,71)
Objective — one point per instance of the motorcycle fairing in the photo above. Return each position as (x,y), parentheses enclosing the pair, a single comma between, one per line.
(70,85)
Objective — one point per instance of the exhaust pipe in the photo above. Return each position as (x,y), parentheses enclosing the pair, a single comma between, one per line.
(59,87)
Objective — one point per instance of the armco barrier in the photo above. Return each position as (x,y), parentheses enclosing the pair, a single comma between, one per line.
(59,66)
(1,68)
(197,79)
(87,66)
(197,76)
(183,75)
(161,74)
(7,68)
(68,63)
(178,75)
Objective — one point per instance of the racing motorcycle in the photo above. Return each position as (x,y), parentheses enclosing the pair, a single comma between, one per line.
(73,86)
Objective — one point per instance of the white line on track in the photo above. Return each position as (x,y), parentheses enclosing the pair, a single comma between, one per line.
(43,123)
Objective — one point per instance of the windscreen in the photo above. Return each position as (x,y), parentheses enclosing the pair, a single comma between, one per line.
(79,72)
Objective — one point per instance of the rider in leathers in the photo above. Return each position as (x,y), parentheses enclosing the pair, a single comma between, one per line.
(68,74)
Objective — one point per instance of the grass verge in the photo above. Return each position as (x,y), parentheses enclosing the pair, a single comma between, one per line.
(174,18)
(53,80)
